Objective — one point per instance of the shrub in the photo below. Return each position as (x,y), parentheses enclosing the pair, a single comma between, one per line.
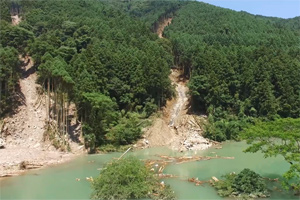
(128,178)
(245,184)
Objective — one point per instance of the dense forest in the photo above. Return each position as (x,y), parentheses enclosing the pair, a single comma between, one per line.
(240,65)
(104,58)
(109,64)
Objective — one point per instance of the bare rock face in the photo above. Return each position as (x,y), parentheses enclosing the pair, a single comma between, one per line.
(2,143)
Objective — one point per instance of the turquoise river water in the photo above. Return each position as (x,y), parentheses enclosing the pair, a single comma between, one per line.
(59,182)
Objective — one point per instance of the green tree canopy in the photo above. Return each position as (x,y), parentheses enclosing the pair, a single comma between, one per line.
(128,178)
(279,137)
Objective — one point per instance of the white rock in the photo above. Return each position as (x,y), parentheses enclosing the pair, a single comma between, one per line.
(36,145)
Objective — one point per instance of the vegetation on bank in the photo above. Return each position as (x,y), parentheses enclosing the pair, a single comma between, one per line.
(102,56)
(240,66)
(246,185)
(278,138)
(129,178)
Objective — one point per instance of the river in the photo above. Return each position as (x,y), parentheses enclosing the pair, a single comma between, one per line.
(59,182)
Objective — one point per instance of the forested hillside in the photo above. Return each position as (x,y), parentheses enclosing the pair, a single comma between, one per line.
(150,12)
(109,64)
(103,62)
(103,57)
(239,65)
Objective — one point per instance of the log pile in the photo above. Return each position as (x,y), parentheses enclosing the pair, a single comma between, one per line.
(158,166)
(179,160)
(196,181)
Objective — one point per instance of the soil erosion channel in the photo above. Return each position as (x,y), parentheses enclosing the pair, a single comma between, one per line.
(23,130)
(176,128)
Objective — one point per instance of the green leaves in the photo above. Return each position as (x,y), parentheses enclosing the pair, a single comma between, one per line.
(15,36)
(246,184)
(9,75)
(100,115)
(240,62)
(279,137)
(128,178)
(127,131)
(124,179)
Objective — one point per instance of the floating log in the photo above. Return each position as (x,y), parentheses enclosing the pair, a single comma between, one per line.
(89,179)
(215,179)
(7,175)
(179,160)
(27,165)
(270,179)
(167,176)
(124,153)
(196,181)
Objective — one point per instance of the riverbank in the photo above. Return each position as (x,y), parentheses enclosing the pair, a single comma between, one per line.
(22,133)
(72,176)
(16,161)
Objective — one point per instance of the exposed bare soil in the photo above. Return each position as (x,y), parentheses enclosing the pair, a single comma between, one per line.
(176,128)
(15,20)
(162,26)
(22,132)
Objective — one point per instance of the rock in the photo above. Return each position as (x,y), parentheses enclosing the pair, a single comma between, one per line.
(215,179)
(36,145)
(2,143)
(253,196)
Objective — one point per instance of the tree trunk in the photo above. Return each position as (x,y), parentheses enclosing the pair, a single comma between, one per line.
(55,105)
(55,99)
(5,88)
(0,95)
(48,107)
(67,109)
(63,114)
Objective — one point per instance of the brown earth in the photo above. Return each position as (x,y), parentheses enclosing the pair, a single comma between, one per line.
(176,128)
(23,131)
(15,20)
(162,26)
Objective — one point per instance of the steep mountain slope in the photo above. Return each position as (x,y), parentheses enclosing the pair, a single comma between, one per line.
(24,131)
(240,65)
(176,128)
(115,70)
(111,66)
(231,54)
